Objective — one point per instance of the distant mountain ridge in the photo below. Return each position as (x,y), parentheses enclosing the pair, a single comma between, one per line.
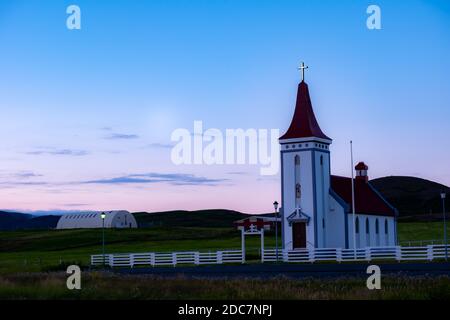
(413,196)
(181,218)
(16,221)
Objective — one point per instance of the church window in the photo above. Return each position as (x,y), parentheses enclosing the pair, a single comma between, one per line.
(357,225)
(367,225)
(287,146)
(367,233)
(297,160)
(377,232)
(385,226)
(321,160)
(323,223)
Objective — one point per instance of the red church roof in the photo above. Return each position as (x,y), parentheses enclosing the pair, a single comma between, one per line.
(361,166)
(367,199)
(304,123)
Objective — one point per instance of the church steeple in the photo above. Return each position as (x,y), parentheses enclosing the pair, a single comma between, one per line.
(304,123)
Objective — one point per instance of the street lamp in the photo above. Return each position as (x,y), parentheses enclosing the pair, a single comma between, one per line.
(103,216)
(275,206)
(445,224)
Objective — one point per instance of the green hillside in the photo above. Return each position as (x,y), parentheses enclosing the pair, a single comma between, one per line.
(213,218)
(413,196)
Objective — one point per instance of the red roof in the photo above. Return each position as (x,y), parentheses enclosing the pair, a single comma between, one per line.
(361,166)
(304,123)
(367,199)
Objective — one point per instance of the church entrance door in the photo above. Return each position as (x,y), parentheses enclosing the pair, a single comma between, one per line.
(299,235)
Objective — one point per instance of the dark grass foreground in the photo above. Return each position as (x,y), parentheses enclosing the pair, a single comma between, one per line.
(98,285)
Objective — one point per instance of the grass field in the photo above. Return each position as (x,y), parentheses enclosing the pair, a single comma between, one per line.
(34,251)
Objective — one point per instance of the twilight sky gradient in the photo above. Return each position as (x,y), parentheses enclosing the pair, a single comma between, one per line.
(86,116)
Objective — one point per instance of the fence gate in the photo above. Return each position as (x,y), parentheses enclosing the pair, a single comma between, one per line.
(251,232)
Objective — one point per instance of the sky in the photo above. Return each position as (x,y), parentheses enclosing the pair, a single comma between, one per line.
(87,115)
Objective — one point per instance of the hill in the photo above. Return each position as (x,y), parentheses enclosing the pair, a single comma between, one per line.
(16,221)
(413,196)
(214,218)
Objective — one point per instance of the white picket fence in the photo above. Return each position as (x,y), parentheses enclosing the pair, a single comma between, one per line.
(397,253)
(167,259)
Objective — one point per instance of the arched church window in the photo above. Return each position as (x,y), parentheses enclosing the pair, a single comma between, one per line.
(367,233)
(357,225)
(385,226)
(297,160)
(377,227)
(321,160)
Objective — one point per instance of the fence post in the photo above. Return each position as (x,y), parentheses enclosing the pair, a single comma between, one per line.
(368,253)
(197,258)
(339,255)
(285,256)
(311,255)
(430,252)
(174,258)
(110,260)
(152,259)
(398,253)
(262,255)
(132,260)
(219,257)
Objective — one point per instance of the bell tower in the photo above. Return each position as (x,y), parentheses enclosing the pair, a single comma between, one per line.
(305,176)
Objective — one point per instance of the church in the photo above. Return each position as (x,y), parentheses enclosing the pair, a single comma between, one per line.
(317,207)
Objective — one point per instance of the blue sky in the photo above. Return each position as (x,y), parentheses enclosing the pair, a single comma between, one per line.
(100,103)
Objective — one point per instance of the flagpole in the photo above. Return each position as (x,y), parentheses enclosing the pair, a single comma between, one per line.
(353,200)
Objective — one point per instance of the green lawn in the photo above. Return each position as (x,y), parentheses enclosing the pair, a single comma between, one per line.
(41,250)
(413,231)
(22,251)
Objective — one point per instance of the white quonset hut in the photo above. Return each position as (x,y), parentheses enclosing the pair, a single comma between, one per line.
(93,219)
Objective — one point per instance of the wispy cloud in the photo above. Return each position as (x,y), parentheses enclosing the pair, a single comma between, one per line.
(237,172)
(160,145)
(22,183)
(76,204)
(27,175)
(171,178)
(58,152)
(121,136)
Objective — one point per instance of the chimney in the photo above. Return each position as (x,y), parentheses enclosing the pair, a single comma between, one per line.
(361,172)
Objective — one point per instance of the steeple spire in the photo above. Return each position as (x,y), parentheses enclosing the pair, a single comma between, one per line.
(304,123)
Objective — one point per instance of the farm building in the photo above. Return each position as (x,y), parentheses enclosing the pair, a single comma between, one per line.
(93,219)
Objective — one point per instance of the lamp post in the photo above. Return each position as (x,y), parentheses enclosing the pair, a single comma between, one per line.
(103,216)
(275,206)
(445,224)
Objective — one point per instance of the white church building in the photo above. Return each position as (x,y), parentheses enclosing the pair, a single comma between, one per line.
(316,206)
